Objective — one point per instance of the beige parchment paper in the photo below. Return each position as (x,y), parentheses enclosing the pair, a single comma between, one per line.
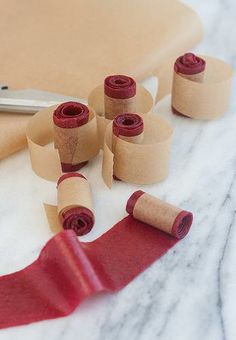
(208,99)
(155,212)
(150,158)
(144,105)
(45,159)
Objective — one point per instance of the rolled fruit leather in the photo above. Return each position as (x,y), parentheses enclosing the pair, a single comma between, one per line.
(119,95)
(129,127)
(75,203)
(68,118)
(191,67)
(159,214)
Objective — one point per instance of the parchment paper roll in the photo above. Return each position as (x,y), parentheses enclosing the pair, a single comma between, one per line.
(203,98)
(45,160)
(146,162)
(74,208)
(119,95)
(144,105)
(68,118)
(159,214)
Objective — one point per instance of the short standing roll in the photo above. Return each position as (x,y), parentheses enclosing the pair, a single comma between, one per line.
(201,97)
(159,214)
(191,67)
(74,208)
(68,118)
(119,95)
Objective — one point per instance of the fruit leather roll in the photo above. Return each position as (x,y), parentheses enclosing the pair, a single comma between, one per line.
(201,87)
(137,150)
(119,95)
(74,203)
(74,208)
(159,214)
(68,271)
(68,118)
(73,128)
(96,100)
(129,127)
(191,67)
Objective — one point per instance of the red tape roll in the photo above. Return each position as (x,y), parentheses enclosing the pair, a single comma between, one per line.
(67,271)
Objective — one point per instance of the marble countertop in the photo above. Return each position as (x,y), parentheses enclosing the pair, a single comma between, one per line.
(189,294)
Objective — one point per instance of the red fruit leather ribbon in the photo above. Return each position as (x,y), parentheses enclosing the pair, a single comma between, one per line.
(67,271)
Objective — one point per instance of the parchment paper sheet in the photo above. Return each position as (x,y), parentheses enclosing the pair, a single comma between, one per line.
(81,37)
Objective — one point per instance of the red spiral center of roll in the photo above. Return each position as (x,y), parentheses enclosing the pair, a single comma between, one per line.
(119,87)
(79,219)
(127,124)
(71,115)
(182,224)
(189,63)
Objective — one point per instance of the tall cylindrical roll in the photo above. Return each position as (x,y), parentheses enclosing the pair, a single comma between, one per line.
(159,214)
(129,127)
(119,95)
(74,198)
(68,118)
(191,67)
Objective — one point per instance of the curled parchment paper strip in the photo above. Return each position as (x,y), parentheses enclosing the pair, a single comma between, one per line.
(204,100)
(73,192)
(45,159)
(144,105)
(150,158)
(68,271)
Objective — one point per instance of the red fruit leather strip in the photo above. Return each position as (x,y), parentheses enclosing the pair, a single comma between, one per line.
(68,271)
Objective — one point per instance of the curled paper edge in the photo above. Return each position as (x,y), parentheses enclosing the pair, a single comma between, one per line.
(143,169)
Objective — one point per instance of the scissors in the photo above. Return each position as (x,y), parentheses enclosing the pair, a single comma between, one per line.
(30,101)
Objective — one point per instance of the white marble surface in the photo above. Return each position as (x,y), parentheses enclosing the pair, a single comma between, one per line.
(190,293)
